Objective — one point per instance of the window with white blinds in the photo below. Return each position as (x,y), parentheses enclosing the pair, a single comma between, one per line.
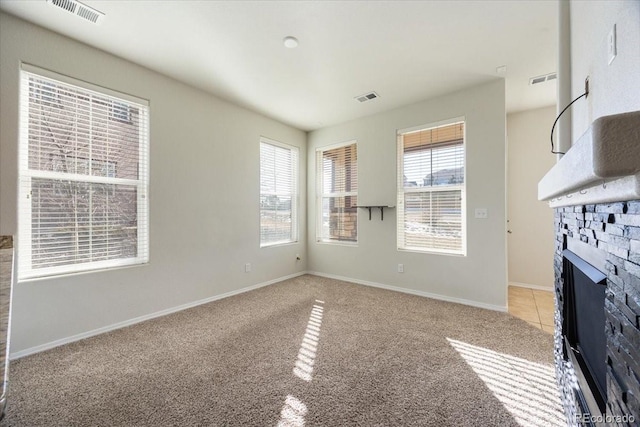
(83,177)
(278,193)
(431,186)
(337,178)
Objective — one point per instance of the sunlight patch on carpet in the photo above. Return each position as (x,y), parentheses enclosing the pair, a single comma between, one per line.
(307,354)
(527,390)
(293,412)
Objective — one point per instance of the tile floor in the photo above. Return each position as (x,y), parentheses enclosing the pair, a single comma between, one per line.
(535,307)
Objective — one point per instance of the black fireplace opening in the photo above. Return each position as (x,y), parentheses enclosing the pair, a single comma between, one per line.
(584,330)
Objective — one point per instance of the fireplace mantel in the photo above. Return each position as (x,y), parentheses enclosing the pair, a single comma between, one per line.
(602,166)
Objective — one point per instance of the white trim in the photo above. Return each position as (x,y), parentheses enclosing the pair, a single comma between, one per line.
(294,195)
(336,145)
(433,125)
(99,90)
(413,292)
(431,251)
(112,327)
(401,190)
(76,177)
(320,195)
(341,194)
(24,197)
(80,272)
(530,286)
(270,141)
(434,189)
(607,191)
(26,174)
(338,243)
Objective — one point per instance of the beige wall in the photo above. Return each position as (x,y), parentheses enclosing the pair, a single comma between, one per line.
(615,87)
(478,278)
(530,244)
(204,196)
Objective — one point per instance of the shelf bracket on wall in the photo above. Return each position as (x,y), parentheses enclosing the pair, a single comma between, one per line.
(379,207)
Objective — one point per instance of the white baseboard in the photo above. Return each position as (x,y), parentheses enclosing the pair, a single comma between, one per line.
(530,286)
(413,292)
(78,337)
(94,332)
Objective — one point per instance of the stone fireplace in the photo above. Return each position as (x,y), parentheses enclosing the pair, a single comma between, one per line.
(609,236)
(595,191)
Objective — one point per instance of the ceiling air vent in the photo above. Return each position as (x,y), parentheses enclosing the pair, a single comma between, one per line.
(542,79)
(79,9)
(367,97)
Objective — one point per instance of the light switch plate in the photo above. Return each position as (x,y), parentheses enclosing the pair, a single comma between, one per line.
(612,48)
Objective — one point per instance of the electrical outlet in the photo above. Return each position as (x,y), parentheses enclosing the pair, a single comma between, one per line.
(612,48)
(586,87)
(481,213)
(400,268)
(247,267)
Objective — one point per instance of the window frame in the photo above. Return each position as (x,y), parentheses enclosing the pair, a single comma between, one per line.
(295,196)
(320,195)
(401,190)
(26,272)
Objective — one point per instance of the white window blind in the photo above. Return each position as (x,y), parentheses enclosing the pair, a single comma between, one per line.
(278,193)
(83,177)
(337,178)
(431,174)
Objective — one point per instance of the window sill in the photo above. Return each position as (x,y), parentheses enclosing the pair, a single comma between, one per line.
(338,243)
(274,245)
(433,252)
(77,273)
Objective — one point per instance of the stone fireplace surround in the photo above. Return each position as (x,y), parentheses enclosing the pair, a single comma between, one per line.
(612,232)
(595,191)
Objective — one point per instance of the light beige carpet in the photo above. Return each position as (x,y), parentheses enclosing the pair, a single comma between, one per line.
(308,351)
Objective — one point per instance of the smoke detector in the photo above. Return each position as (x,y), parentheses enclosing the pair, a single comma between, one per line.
(542,79)
(290,42)
(79,9)
(367,97)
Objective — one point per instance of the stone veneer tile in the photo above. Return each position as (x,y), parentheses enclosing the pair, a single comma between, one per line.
(633,207)
(614,229)
(632,232)
(631,220)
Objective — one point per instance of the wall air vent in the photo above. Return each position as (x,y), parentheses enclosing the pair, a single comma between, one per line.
(79,9)
(367,97)
(542,79)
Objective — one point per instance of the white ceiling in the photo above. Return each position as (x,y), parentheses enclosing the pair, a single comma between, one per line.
(406,51)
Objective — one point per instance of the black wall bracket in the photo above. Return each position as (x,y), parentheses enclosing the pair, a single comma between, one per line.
(379,207)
